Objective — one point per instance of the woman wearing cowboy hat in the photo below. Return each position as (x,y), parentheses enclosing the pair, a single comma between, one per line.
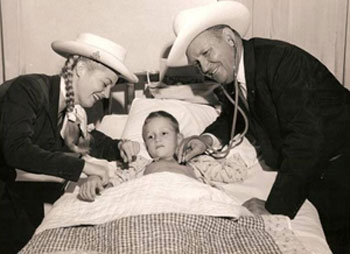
(33,139)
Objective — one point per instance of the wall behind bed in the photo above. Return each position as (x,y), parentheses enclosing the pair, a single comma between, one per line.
(144,27)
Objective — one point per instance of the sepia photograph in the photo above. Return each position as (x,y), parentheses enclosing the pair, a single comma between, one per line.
(175,126)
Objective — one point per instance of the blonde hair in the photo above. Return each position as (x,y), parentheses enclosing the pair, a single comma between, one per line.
(73,138)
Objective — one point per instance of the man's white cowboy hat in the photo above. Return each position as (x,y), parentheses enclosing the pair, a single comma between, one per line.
(191,22)
(99,49)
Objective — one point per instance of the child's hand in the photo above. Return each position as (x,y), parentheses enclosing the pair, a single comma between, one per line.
(128,150)
(89,189)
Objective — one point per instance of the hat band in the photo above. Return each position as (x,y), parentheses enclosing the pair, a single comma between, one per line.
(103,45)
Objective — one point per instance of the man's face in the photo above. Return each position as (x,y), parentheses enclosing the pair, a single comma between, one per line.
(214,56)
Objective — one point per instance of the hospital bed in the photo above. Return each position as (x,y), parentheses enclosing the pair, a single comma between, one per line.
(169,213)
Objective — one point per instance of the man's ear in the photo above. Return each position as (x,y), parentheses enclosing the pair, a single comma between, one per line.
(229,36)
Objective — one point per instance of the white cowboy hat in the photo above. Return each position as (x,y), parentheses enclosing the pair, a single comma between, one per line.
(99,49)
(191,22)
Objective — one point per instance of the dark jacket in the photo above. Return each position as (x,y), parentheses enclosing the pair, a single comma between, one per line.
(30,140)
(29,134)
(299,114)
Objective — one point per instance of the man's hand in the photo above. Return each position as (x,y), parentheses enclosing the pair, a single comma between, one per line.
(256,206)
(191,147)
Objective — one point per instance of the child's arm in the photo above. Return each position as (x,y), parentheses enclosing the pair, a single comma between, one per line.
(90,188)
(229,170)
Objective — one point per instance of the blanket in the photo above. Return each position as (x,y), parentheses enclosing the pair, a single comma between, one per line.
(155,193)
(171,233)
(160,213)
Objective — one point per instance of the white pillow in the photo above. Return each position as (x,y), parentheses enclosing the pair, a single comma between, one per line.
(113,125)
(193,118)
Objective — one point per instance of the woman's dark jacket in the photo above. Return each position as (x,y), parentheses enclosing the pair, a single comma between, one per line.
(29,136)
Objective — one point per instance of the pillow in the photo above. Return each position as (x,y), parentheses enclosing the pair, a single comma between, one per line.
(193,118)
(113,125)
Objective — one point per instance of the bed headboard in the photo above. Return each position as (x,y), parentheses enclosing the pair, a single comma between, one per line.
(124,93)
(174,75)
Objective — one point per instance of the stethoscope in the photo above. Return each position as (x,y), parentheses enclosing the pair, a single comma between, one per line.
(235,140)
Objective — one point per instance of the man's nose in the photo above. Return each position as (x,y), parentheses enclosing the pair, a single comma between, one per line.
(204,64)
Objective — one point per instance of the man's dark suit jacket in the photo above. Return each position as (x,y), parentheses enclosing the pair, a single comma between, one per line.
(300,116)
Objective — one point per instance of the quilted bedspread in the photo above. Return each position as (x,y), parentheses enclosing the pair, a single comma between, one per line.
(160,213)
(171,233)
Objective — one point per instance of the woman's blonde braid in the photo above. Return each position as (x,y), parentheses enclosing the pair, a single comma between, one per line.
(72,137)
(67,75)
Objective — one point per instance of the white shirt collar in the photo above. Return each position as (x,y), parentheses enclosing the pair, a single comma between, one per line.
(241,71)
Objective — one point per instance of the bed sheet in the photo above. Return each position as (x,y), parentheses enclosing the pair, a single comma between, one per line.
(151,194)
(161,210)
(306,225)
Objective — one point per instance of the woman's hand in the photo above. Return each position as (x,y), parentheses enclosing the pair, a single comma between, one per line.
(96,168)
(90,188)
(128,150)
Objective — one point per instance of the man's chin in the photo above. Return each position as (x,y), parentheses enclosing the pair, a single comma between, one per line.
(226,81)
(222,80)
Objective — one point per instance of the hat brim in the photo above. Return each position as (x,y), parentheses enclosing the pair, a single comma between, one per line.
(66,48)
(233,14)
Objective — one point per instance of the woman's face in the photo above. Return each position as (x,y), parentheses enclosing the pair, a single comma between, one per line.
(161,138)
(93,84)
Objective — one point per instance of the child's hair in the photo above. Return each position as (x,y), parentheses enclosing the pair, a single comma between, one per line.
(163,114)
(72,140)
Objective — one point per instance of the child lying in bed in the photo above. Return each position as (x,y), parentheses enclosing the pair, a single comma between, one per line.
(161,135)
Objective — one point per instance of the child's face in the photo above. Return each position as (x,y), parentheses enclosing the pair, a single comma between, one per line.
(161,138)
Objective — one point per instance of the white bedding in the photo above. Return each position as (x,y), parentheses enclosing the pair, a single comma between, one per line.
(155,193)
(306,224)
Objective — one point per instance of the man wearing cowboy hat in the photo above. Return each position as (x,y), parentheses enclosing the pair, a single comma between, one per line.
(299,114)
(32,138)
